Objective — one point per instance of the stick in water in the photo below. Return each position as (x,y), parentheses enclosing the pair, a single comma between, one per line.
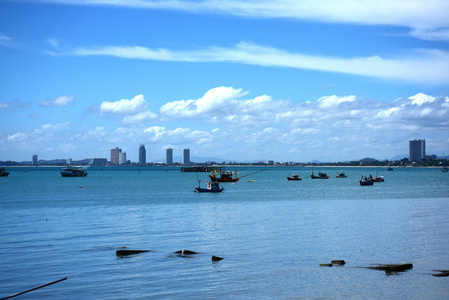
(33,289)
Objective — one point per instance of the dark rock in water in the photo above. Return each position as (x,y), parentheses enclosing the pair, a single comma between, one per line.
(443,273)
(325,265)
(129,252)
(392,268)
(189,252)
(178,252)
(339,262)
(216,258)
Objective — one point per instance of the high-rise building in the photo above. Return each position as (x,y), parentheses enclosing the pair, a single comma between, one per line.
(169,156)
(185,156)
(115,154)
(68,161)
(35,160)
(122,158)
(142,155)
(417,150)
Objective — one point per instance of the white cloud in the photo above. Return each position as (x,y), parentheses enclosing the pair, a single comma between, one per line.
(422,66)
(43,134)
(58,102)
(124,106)
(427,19)
(4,40)
(144,116)
(4,105)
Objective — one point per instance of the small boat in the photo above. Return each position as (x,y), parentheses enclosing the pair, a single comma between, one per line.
(366,181)
(320,176)
(3,172)
(341,175)
(73,172)
(251,181)
(390,169)
(294,177)
(212,187)
(445,169)
(377,178)
(224,176)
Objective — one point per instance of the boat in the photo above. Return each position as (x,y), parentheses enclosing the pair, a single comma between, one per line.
(224,176)
(294,177)
(377,178)
(73,172)
(320,176)
(212,187)
(366,181)
(3,172)
(341,175)
(445,169)
(390,169)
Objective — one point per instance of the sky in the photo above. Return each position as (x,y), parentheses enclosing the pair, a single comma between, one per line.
(255,80)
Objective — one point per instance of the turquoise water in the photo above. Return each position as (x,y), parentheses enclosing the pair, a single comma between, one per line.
(272,234)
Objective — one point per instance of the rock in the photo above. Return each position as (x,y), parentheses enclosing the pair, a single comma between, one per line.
(189,252)
(443,273)
(325,265)
(392,268)
(216,258)
(339,262)
(129,252)
(178,252)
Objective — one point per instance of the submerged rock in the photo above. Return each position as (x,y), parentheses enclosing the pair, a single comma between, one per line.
(325,265)
(216,258)
(338,262)
(189,252)
(126,252)
(443,273)
(392,268)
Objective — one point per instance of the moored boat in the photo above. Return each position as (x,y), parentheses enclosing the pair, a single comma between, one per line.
(390,169)
(377,178)
(341,175)
(445,169)
(212,187)
(3,172)
(294,177)
(320,176)
(73,172)
(224,176)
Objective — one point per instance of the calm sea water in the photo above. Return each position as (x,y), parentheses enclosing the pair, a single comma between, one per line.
(272,234)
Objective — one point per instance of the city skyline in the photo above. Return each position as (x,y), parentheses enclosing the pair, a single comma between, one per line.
(243,80)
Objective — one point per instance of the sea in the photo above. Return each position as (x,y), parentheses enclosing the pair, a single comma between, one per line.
(273,234)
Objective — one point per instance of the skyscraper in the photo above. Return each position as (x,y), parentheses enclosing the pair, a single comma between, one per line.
(185,156)
(417,150)
(35,161)
(115,155)
(142,155)
(122,158)
(169,156)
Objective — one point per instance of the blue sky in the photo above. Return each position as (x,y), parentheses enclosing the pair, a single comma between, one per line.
(240,80)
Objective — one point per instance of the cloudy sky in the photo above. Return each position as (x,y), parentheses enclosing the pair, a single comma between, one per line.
(286,80)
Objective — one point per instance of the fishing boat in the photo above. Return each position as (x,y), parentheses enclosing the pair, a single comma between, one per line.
(390,169)
(366,181)
(341,175)
(294,177)
(3,172)
(320,176)
(212,187)
(224,176)
(377,178)
(73,172)
(445,169)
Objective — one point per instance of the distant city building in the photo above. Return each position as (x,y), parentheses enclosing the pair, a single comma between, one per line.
(69,161)
(169,156)
(142,155)
(98,161)
(35,161)
(417,150)
(122,158)
(270,162)
(185,156)
(115,154)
